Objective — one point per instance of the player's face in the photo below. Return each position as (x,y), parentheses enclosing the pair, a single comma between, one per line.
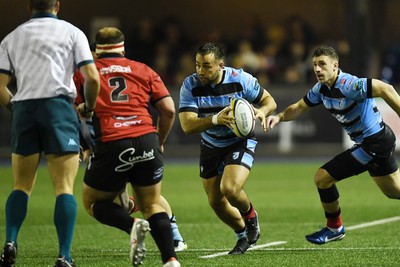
(325,69)
(208,69)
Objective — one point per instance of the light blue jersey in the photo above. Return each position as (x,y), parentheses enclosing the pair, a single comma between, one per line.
(350,101)
(207,100)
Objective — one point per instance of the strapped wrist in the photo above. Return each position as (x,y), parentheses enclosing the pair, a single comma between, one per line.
(214,119)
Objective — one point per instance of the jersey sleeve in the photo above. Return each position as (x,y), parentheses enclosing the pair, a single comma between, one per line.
(313,97)
(79,84)
(5,64)
(252,88)
(186,100)
(82,53)
(158,88)
(359,89)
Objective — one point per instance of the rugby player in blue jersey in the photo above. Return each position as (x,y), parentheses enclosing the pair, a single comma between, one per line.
(351,101)
(225,159)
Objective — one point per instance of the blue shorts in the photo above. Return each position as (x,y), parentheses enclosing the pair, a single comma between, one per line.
(214,159)
(47,124)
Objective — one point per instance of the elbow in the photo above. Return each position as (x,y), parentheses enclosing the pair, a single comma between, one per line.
(274,107)
(187,129)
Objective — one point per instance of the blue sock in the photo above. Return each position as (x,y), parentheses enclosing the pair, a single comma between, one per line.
(175,232)
(16,209)
(64,219)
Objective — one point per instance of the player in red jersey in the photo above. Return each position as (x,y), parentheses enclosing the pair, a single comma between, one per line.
(128,147)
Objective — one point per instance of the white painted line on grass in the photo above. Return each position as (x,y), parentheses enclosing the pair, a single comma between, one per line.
(329,248)
(276,243)
(373,223)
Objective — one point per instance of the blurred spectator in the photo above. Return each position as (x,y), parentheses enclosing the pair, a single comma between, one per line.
(245,57)
(391,65)
(140,46)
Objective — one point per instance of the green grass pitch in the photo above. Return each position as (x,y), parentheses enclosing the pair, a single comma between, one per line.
(283,194)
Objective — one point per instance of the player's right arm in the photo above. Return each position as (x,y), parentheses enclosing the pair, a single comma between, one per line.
(91,89)
(290,113)
(5,94)
(191,123)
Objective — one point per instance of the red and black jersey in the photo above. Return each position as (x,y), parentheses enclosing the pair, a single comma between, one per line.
(127,88)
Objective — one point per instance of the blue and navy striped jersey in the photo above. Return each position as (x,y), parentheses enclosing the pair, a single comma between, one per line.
(350,101)
(207,100)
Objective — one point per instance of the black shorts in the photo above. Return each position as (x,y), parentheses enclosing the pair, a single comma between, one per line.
(135,160)
(374,154)
(214,159)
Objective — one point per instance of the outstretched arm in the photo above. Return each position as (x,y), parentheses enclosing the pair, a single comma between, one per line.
(290,113)
(387,93)
(267,106)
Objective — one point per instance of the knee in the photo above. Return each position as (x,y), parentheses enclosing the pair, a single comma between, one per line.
(322,179)
(88,205)
(230,191)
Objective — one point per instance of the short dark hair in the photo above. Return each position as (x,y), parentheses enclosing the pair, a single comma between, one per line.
(43,5)
(109,35)
(208,48)
(325,50)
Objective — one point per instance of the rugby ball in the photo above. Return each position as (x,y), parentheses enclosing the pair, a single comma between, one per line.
(243,113)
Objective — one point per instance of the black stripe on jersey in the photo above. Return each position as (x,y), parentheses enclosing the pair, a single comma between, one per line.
(331,93)
(355,134)
(225,137)
(218,90)
(369,88)
(343,111)
(210,110)
(309,103)
(351,123)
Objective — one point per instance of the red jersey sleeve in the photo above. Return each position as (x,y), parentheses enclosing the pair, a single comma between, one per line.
(79,82)
(158,88)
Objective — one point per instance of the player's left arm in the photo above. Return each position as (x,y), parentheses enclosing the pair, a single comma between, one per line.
(387,93)
(5,94)
(166,111)
(266,106)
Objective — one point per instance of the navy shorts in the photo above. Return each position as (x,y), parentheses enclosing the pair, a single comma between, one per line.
(375,155)
(138,161)
(48,124)
(214,159)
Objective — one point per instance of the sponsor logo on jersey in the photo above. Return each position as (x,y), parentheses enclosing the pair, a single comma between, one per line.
(256,86)
(126,123)
(128,158)
(115,68)
(235,155)
(358,85)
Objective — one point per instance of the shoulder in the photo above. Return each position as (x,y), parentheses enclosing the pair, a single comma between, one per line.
(346,80)
(235,74)
(191,81)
